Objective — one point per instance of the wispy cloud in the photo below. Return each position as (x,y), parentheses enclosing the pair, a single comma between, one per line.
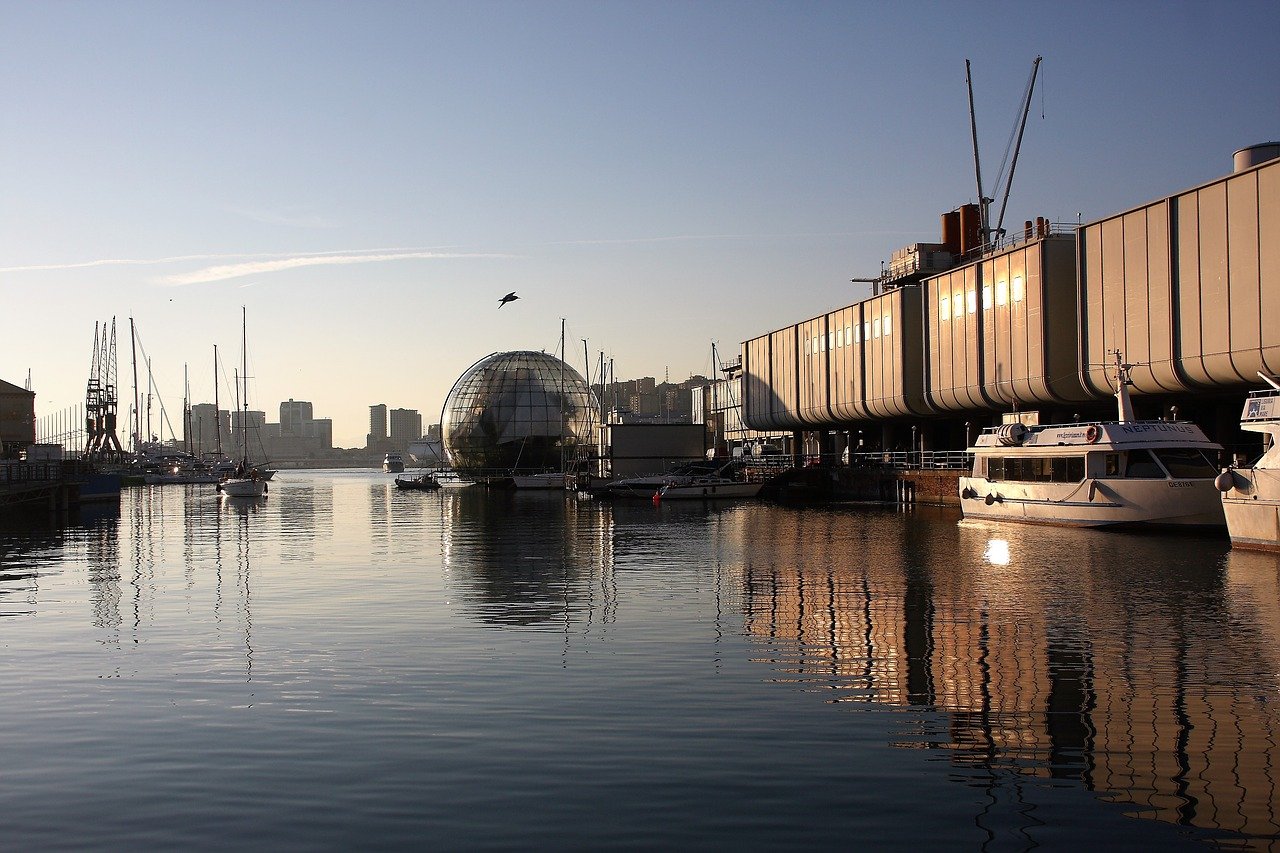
(254,264)
(223,272)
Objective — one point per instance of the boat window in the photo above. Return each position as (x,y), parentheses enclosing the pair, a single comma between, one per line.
(857,334)
(944,308)
(848,333)
(986,297)
(1112,468)
(1142,466)
(888,324)
(971,301)
(1017,288)
(1002,292)
(1035,469)
(875,328)
(1186,463)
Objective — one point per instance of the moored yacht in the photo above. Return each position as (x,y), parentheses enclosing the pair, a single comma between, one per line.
(1251,496)
(393,463)
(1121,472)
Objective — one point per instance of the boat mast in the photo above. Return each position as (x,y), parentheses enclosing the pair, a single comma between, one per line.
(217,412)
(244,377)
(137,412)
(1124,404)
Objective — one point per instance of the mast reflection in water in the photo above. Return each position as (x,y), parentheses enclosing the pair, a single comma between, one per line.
(347,664)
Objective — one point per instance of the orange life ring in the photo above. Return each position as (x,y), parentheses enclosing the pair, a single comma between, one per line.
(1092,434)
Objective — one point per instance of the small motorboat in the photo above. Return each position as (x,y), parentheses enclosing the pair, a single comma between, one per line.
(425,483)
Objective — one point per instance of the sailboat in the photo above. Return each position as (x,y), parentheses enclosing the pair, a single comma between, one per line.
(245,481)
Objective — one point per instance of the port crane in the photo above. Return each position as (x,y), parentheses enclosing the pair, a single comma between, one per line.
(100,395)
(989,234)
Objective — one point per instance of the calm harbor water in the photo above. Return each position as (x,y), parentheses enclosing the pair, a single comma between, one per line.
(345,665)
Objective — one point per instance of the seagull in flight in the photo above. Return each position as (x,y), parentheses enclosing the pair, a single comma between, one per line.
(510,297)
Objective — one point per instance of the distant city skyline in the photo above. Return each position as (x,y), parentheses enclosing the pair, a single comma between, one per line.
(367,181)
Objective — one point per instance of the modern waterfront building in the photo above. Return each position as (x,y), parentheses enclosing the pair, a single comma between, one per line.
(517,411)
(1187,288)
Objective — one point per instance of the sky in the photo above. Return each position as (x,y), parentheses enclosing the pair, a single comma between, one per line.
(366,180)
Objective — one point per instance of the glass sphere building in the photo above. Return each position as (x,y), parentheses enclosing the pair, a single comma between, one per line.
(516,412)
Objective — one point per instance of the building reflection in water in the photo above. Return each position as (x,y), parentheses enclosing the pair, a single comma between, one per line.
(1146,668)
(528,558)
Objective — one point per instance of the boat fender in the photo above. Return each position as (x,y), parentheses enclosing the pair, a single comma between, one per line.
(1225,482)
(1092,434)
(969,493)
(265,489)
(991,498)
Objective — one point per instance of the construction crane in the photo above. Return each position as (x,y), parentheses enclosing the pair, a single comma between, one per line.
(989,234)
(100,395)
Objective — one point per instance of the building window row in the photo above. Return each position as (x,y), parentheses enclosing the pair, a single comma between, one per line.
(951,306)
(850,335)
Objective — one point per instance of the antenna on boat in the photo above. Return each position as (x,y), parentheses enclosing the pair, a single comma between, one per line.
(1123,403)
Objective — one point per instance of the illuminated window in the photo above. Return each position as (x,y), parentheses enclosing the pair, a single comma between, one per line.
(1017,288)
(848,333)
(839,338)
(957,303)
(866,331)
(831,340)
(816,344)
(875,328)
(986,297)
(1002,292)
(944,308)
(888,324)
(857,334)
(971,301)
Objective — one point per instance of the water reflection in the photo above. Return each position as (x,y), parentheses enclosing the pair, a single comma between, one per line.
(1143,668)
(519,558)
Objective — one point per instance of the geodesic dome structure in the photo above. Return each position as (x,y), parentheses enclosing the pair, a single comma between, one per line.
(517,412)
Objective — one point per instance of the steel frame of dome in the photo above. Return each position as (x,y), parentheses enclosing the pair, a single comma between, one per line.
(520,411)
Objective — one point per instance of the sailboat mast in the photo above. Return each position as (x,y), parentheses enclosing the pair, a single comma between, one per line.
(137,413)
(244,377)
(217,412)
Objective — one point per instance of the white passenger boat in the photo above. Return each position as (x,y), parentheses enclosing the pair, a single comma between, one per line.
(1122,472)
(1251,496)
(393,463)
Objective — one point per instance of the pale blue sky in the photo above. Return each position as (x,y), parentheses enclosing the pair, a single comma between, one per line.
(368,178)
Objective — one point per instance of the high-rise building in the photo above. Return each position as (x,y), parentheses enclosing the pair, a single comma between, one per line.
(294,417)
(210,428)
(406,426)
(377,425)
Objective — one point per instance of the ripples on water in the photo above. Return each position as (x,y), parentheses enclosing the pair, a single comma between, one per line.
(347,665)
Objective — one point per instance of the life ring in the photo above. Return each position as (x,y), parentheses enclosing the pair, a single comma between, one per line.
(1092,434)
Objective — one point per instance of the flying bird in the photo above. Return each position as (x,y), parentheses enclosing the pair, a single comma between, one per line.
(510,297)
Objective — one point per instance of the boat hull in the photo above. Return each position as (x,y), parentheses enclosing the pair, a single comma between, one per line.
(243,488)
(1252,508)
(540,481)
(710,491)
(1189,504)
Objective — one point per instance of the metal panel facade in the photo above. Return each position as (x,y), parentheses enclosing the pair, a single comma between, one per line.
(1003,330)
(1187,288)
(892,350)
